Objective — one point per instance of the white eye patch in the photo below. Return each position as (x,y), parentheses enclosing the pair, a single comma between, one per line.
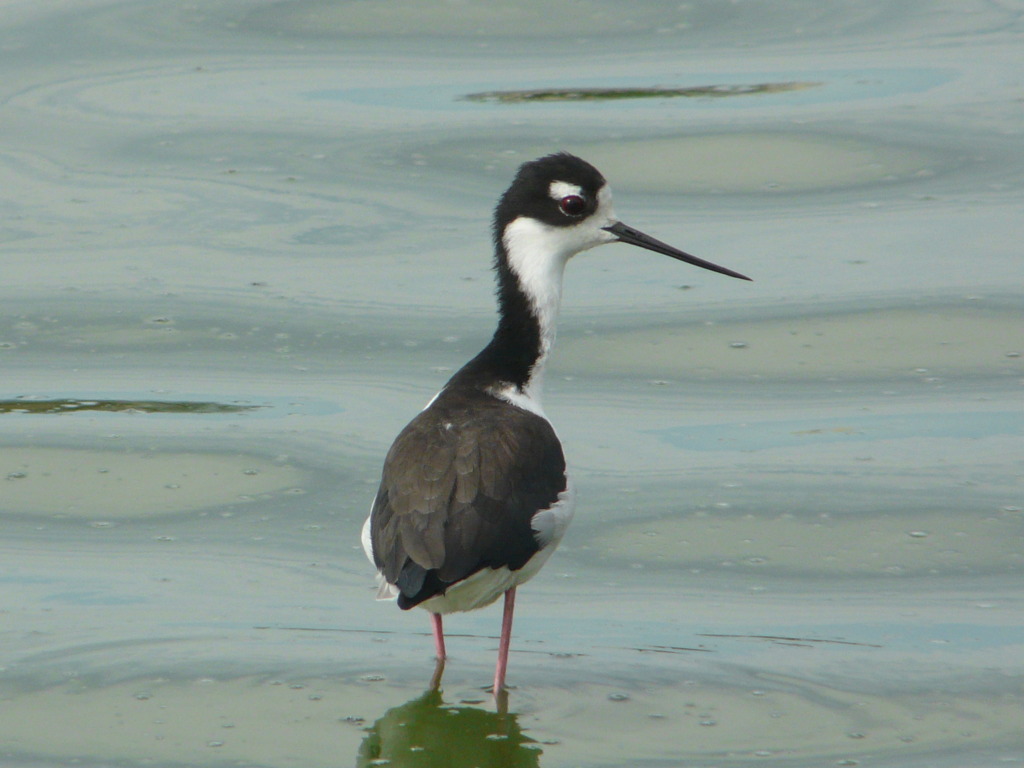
(559,189)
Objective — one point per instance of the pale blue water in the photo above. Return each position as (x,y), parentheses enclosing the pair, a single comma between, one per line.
(244,242)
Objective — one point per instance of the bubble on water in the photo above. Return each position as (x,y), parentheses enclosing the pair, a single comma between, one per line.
(618,697)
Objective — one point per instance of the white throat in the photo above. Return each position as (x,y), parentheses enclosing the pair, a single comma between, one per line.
(538,258)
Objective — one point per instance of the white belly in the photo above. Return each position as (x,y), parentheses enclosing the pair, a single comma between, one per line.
(487,585)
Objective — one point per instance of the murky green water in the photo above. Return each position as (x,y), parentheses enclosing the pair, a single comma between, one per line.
(244,242)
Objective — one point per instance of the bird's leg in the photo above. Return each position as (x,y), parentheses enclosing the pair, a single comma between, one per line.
(506,639)
(501,707)
(435,622)
(435,679)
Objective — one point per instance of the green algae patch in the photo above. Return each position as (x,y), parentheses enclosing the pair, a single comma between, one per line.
(616,94)
(71,405)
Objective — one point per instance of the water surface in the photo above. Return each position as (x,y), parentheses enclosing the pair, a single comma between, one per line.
(244,242)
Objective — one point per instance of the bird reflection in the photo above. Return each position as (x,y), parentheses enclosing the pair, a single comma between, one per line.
(427,733)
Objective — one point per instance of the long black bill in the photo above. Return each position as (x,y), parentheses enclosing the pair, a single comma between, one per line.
(632,236)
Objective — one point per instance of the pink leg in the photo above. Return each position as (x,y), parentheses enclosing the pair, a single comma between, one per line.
(505,641)
(435,621)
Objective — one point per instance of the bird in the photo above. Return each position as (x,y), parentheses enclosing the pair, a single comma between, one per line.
(474,495)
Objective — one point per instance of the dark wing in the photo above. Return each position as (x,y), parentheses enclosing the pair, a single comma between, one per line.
(460,485)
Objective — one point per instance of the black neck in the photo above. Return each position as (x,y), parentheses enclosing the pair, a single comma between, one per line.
(513,352)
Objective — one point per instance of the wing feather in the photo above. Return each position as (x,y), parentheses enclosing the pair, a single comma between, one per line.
(459,488)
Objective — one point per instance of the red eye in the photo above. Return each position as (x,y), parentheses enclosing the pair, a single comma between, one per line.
(573,205)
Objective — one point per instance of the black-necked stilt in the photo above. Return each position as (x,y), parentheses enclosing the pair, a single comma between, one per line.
(474,495)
